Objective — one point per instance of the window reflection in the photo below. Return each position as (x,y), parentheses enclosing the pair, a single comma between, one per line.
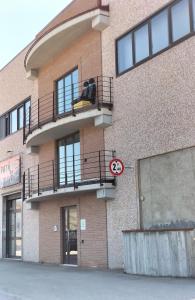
(67,91)
(160,33)
(125,53)
(180,19)
(69,166)
(141,43)
(13,121)
(166,29)
(193,8)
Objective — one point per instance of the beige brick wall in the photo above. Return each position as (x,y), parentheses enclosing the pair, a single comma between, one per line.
(93,253)
(14,88)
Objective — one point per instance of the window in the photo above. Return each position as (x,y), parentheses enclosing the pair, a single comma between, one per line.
(160,32)
(180,19)
(69,166)
(67,91)
(193,8)
(125,53)
(141,43)
(20,117)
(14,119)
(2,128)
(27,106)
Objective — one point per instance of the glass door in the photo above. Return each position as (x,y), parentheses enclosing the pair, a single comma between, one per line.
(14,228)
(69,163)
(70,224)
(67,91)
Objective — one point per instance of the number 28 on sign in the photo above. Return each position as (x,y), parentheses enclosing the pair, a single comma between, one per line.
(116,167)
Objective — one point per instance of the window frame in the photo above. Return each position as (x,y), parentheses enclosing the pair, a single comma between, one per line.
(11,123)
(130,34)
(7,117)
(64,139)
(148,21)
(76,68)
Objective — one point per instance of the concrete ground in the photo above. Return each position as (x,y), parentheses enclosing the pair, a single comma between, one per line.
(33,281)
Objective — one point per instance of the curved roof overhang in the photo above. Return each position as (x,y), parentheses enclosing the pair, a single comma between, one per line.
(60,37)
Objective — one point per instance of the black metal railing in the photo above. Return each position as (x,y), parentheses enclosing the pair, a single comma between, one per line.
(72,171)
(62,102)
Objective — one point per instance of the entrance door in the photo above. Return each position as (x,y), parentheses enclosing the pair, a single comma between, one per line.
(70,223)
(14,228)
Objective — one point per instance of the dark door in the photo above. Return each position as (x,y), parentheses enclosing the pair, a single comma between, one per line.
(14,228)
(70,223)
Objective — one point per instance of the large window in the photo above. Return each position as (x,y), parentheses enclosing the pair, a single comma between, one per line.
(15,119)
(180,19)
(161,31)
(141,43)
(67,91)
(125,56)
(193,8)
(20,117)
(69,166)
(27,106)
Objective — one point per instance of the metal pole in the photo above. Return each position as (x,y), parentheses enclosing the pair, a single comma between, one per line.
(38,114)
(72,98)
(100,168)
(98,102)
(38,187)
(29,119)
(24,187)
(23,135)
(53,165)
(54,119)
(74,182)
(28,182)
(110,90)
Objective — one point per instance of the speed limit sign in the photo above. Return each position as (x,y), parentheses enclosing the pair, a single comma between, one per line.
(116,167)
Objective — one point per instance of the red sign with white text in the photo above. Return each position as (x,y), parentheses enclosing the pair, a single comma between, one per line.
(10,171)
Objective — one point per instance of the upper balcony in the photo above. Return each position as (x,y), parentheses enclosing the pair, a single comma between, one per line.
(52,41)
(68,109)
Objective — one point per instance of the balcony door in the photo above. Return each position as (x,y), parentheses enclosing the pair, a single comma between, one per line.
(69,162)
(66,92)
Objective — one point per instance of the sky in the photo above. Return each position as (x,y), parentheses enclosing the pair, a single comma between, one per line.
(21,20)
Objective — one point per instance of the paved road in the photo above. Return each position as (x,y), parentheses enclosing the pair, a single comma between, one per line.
(25,281)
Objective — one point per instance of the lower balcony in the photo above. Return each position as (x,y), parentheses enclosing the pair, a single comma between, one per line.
(70,175)
(69,108)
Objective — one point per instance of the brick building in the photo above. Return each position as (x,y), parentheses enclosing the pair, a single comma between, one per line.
(102,79)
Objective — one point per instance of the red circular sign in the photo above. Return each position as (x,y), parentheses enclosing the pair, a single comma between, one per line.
(116,167)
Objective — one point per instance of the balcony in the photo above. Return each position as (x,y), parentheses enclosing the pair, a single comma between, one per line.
(62,35)
(71,175)
(57,114)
